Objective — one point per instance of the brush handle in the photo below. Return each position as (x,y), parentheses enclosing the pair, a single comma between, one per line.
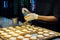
(25,11)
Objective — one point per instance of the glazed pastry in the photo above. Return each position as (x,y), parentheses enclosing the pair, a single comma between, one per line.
(11,32)
(15,34)
(12,38)
(51,32)
(40,29)
(20,37)
(26,39)
(35,28)
(3,34)
(8,30)
(4,29)
(17,27)
(27,35)
(17,31)
(40,32)
(47,35)
(1,31)
(7,36)
(22,33)
(28,32)
(24,30)
(33,38)
(40,36)
(30,29)
(28,25)
(46,31)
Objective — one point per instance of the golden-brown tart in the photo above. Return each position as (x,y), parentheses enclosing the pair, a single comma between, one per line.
(46,31)
(13,38)
(35,28)
(28,25)
(8,30)
(40,32)
(4,34)
(22,33)
(20,37)
(26,39)
(17,31)
(45,34)
(11,33)
(1,31)
(28,32)
(33,38)
(15,35)
(40,36)
(27,35)
(4,29)
(30,29)
(7,36)
(40,29)
(51,32)
(34,31)
(24,30)
(10,27)
(17,27)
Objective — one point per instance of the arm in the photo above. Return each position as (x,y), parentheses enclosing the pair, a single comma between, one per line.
(32,16)
(47,18)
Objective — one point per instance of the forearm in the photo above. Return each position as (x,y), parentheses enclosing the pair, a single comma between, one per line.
(47,18)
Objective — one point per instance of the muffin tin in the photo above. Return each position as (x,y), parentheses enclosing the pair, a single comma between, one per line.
(26,32)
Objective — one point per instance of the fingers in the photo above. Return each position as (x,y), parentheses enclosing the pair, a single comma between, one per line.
(29,17)
(26,16)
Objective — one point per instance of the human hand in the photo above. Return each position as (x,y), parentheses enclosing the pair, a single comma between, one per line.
(31,16)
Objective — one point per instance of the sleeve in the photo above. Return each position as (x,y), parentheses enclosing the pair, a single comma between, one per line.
(56,9)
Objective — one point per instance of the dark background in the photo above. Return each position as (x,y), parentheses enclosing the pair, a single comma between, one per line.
(14,8)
